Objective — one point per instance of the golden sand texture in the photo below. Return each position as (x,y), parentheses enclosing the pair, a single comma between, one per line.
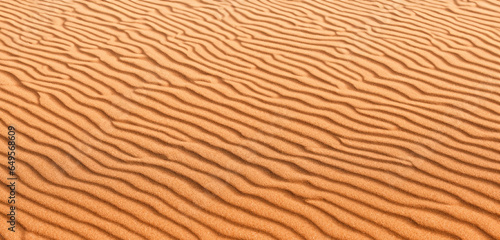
(252,119)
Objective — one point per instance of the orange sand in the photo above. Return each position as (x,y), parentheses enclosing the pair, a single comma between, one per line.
(252,119)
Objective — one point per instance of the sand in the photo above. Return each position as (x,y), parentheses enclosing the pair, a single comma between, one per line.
(251,119)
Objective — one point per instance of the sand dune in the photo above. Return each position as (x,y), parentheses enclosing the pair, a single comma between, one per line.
(265,119)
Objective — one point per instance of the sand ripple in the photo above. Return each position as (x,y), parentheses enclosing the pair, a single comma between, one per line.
(262,119)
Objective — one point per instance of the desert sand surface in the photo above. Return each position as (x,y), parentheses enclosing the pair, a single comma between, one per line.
(251,119)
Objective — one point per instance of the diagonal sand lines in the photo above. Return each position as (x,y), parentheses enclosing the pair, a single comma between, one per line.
(265,119)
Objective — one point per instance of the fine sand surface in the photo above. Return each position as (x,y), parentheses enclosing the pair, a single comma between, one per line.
(251,119)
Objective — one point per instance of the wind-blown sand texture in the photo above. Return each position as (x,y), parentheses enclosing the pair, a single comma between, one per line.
(252,119)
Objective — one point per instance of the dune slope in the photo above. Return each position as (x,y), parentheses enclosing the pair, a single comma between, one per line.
(265,119)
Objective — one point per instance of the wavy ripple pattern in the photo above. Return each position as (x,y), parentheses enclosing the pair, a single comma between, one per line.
(264,119)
